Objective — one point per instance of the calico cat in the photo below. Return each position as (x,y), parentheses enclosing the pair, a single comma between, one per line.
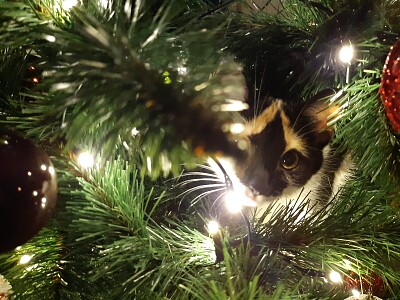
(289,155)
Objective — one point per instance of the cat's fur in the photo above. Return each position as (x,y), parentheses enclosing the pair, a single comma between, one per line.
(289,155)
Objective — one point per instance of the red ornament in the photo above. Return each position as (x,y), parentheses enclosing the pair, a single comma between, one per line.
(390,86)
(370,284)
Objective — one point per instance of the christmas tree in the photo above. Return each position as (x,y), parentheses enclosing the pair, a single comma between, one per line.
(122,103)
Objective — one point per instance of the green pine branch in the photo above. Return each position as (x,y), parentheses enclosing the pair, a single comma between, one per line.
(33,269)
(104,79)
(108,71)
(114,238)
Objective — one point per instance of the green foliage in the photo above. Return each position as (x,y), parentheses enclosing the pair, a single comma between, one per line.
(117,247)
(165,69)
(104,75)
(368,135)
(33,269)
(356,235)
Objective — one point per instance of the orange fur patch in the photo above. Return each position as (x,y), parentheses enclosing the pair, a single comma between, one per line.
(268,115)
(292,140)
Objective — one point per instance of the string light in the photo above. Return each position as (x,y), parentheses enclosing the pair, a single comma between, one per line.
(346,54)
(233,202)
(182,70)
(25,259)
(44,200)
(51,170)
(335,277)
(134,131)
(86,160)
(224,169)
(355,293)
(50,38)
(236,128)
(65,4)
(213,227)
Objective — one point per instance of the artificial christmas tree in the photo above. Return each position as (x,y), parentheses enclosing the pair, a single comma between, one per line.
(153,90)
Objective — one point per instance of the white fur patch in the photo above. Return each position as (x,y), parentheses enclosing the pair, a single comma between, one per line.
(294,196)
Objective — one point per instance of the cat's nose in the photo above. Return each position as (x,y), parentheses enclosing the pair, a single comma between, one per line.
(254,191)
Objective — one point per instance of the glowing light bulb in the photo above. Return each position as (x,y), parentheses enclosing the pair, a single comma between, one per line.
(44,200)
(68,4)
(236,128)
(346,54)
(134,131)
(238,196)
(233,202)
(86,160)
(355,293)
(213,227)
(182,70)
(335,277)
(25,259)
(51,170)
(50,38)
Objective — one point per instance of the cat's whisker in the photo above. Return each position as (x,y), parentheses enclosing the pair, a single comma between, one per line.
(217,203)
(258,108)
(255,104)
(202,174)
(208,191)
(200,187)
(299,114)
(206,167)
(205,194)
(308,132)
(308,124)
(311,147)
(196,180)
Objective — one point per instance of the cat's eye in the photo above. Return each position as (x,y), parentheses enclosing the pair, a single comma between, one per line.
(290,160)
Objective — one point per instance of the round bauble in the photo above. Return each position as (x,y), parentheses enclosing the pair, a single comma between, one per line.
(28,189)
(390,86)
(372,283)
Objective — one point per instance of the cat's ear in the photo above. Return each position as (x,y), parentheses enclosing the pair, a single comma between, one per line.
(320,111)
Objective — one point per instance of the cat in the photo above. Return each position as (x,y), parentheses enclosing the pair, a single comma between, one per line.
(289,155)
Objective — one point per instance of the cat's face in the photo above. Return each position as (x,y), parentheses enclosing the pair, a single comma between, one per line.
(285,147)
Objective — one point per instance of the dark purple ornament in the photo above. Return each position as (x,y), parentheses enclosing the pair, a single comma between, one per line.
(28,189)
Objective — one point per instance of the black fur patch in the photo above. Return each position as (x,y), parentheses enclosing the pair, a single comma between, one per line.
(262,172)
